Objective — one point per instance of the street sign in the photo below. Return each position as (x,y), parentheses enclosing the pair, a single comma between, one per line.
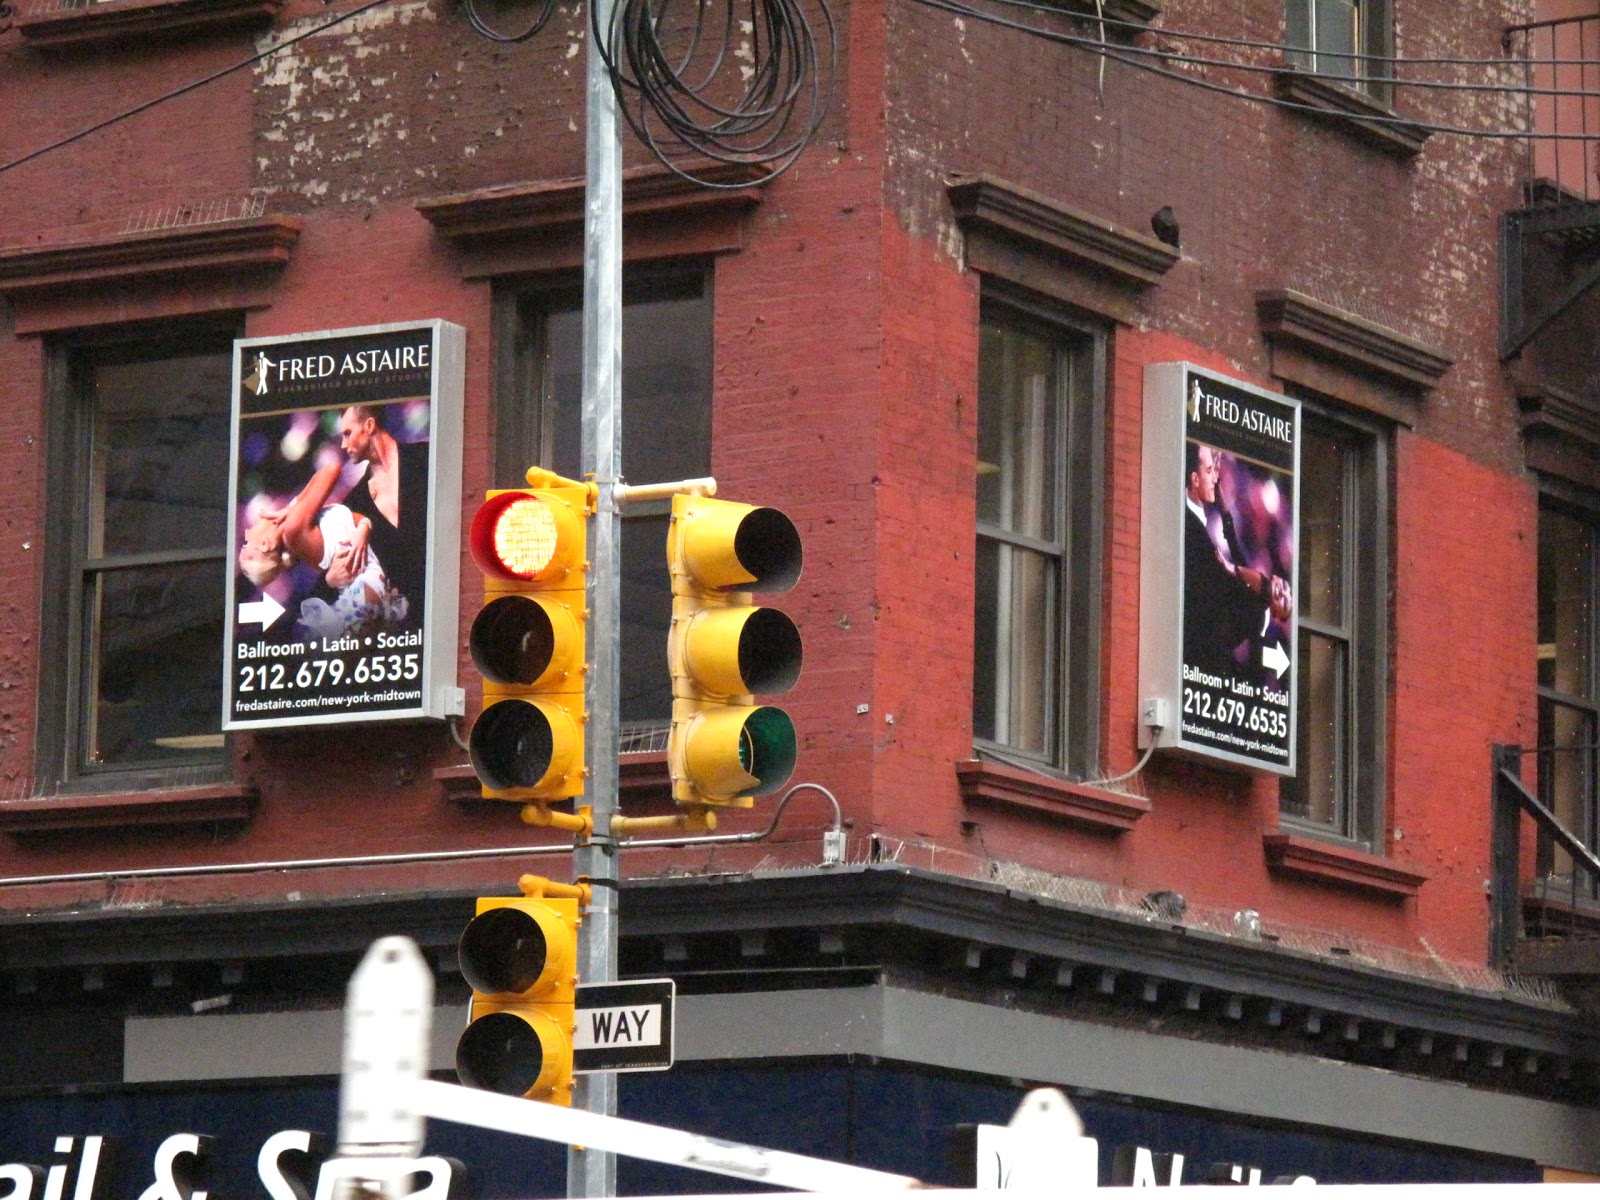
(624,1026)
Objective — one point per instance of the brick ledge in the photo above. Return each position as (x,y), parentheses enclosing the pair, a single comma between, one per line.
(179,806)
(1340,866)
(1087,807)
(51,25)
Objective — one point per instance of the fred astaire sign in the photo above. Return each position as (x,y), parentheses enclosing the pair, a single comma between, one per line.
(345,495)
(1217,577)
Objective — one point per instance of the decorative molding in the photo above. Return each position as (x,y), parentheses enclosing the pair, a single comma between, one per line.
(181,806)
(1341,866)
(1091,808)
(522,227)
(1354,343)
(641,779)
(1560,434)
(193,251)
(53,25)
(988,208)
(1376,124)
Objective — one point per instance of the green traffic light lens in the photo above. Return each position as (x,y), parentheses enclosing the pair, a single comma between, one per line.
(501,1053)
(502,950)
(767,749)
(511,745)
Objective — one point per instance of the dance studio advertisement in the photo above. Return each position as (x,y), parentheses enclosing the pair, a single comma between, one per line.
(1220,549)
(345,512)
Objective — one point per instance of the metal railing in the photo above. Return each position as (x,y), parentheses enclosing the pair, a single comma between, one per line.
(1554,906)
(1560,65)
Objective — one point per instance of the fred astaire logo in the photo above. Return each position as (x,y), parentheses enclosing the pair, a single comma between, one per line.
(265,371)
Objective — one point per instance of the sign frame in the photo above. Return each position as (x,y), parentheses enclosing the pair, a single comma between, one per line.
(433,691)
(634,993)
(1241,712)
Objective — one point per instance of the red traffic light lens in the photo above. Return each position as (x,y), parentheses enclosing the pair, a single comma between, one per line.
(518,535)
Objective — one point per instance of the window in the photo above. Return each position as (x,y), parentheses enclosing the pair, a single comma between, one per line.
(1343,620)
(1343,39)
(666,434)
(1036,613)
(1569,696)
(138,535)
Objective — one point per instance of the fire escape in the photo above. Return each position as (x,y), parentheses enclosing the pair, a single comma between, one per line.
(1545,886)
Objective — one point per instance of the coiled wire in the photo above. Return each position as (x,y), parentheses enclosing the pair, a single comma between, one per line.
(541,15)
(730,81)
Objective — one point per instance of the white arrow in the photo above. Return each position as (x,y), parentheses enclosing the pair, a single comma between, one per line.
(266,610)
(1274,659)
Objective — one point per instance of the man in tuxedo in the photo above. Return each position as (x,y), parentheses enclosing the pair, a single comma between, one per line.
(1226,601)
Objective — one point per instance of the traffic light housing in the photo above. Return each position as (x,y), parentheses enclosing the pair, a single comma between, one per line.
(520,955)
(724,650)
(528,641)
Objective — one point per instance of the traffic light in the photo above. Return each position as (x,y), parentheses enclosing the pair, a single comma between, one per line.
(520,956)
(723,650)
(528,640)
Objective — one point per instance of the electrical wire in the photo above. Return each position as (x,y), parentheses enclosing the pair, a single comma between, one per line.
(1140,27)
(743,82)
(191,86)
(1095,46)
(484,29)
(1275,69)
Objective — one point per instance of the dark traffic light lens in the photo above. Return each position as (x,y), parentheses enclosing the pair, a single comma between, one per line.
(511,745)
(769,652)
(502,950)
(512,640)
(768,546)
(500,1053)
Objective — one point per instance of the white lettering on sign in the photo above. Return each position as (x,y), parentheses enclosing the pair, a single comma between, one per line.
(629,1025)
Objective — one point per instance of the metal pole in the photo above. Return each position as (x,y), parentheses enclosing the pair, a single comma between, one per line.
(593,1173)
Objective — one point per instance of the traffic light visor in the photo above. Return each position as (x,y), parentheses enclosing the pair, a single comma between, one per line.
(743,651)
(736,547)
(525,640)
(527,536)
(731,753)
(518,743)
(515,1054)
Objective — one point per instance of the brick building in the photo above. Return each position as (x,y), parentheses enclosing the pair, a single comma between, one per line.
(928,343)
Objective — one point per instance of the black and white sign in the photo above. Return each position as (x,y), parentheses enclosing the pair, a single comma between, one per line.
(1219,553)
(345,495)
(624,1026)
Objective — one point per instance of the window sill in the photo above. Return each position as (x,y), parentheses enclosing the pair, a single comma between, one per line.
(641,779)
(1340,866)
(182,806)
(1077,804)
(48,25)
(1139,12)
(1378,125)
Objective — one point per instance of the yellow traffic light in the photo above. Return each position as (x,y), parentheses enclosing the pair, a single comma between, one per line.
(724,651)
(520,955)
(528,640)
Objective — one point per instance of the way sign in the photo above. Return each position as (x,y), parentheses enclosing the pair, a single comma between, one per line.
(624,1026)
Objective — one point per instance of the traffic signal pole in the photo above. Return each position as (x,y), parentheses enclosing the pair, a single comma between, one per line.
(593,1173)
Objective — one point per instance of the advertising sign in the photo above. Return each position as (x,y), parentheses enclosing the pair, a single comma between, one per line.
(345,491)
(1217,592)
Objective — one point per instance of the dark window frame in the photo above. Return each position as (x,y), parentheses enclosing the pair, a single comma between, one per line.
(61,737)
(1568,501)
(525,435)
(1361,797)
(1083,350)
